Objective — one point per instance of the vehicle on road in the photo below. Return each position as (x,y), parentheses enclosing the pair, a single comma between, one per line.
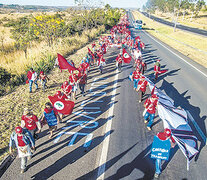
(137,24)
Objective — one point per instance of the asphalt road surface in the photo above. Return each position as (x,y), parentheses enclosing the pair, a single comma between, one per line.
(179,26)
(106,138)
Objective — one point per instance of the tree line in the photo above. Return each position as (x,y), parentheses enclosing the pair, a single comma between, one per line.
(185,6)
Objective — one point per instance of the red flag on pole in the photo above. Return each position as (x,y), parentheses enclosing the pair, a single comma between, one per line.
(63,64)
(126,57)
(62,106)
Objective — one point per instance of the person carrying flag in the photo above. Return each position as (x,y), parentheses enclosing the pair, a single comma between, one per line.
(52,118)
(61,96)
(163,137)
(150,108)
(67,89)
(141,88)
(119,62)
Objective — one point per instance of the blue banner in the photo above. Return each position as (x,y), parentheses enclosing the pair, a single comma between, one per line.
(160,149)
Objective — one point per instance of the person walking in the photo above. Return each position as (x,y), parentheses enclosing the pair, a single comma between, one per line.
(156,69)
(32,77)
(30,122)
(67,89)
(119,62)
(135,77)
(82,82)
(52,118)
(43,78)
(24,145)
(150,108)
(141,87)
(165,139)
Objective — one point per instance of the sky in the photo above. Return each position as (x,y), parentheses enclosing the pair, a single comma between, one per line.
(113,3)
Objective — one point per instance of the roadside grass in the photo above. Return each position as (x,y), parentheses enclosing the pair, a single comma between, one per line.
(174,39)
(12,105)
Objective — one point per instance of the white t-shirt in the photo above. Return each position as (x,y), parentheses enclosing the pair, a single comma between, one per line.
(137,54)
(34,76)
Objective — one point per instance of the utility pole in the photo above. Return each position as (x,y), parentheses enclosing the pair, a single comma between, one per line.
(177,15)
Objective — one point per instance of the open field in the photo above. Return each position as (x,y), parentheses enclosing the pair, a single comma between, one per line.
(177,39)
(196,22)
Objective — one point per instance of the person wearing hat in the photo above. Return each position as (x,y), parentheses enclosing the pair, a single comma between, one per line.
(156,69)
(150,107)
(141,87)
(30,122)
(24,143)
(163,136)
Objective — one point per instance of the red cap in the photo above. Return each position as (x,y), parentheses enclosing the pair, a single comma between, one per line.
(162,136)
(167,132)
(154,96)
(158,60)
(41,72)
(58,93)
(65,83)
(18,129)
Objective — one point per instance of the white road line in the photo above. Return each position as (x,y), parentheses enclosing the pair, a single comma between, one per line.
(197,127)
(103,157)
(176,54)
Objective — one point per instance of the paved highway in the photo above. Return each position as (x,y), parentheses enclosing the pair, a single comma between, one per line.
(106,138)
(186,28)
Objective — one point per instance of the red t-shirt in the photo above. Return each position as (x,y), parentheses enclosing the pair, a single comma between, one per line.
(50,110)
(62,97)
(119,59)
(30,121)
(143,85)
(136,75)
(156,68)
(73,78)
(67,89)
(20,141)
(151,105)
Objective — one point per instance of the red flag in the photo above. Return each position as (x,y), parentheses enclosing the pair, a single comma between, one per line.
(162,71)
(63,64)
(153,90)
(126,57)
(62,106)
